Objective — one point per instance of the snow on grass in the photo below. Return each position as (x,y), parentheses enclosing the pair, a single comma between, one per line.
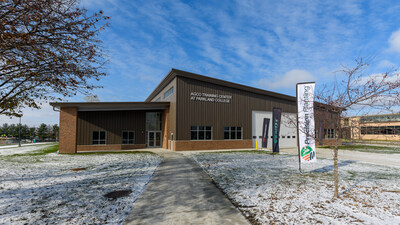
(14,149)
(268,189)
(42,189)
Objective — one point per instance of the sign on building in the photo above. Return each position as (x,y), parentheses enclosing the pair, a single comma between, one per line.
(305,122)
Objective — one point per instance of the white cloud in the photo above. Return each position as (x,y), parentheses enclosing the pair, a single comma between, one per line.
(288,80)
(394,41)
(34,117)
(386,64)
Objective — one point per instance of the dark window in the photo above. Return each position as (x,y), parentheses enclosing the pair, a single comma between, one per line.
(397,129)
(208,133)
(387,130)
(346,122)
(200,132)
(238,132)
(376,130)
(288,136)
(364,130)
(383,130)
(232,133)
(99,138)
(390,130)
(226,133)
(128,137)
(329,133)
(293,136)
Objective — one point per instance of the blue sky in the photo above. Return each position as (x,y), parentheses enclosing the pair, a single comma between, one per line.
(266,44)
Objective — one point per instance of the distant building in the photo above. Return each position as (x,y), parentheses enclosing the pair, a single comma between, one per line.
(374,127)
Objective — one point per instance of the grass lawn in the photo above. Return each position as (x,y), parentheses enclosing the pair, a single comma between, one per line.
(43,187)
(268,189)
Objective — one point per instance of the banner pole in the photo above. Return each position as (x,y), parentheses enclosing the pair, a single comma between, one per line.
(297,119)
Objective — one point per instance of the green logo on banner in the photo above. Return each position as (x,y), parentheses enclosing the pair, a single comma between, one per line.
(307,153)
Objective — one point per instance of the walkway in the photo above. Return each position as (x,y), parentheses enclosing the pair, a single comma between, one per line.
(368,157)
(181,193)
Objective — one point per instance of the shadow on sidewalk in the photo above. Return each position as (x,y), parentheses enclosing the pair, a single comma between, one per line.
(330,168)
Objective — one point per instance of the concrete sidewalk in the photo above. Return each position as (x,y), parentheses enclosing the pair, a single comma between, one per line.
(367,157)
(181,193)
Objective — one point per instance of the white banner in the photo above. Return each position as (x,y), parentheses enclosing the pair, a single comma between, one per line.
(305,122)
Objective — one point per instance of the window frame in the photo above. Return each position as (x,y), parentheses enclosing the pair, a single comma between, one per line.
(99,139)
(329,133)
(169,92)
(235,131)
(198,132)
(134,137)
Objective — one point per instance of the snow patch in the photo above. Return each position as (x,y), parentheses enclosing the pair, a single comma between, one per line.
(44,190)
(269,189)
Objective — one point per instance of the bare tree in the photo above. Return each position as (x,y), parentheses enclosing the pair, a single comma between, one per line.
(48,48)
(357,90)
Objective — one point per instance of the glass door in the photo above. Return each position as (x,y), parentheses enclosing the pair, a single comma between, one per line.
(154,139)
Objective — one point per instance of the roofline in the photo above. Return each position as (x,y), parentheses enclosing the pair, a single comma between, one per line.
(100,106)
(71,104)
(175,72)
(167,79)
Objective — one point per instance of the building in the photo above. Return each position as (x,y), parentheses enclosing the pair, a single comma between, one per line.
(186,111)
(373,127)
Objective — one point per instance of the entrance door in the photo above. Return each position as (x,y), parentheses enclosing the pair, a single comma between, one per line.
(154,139)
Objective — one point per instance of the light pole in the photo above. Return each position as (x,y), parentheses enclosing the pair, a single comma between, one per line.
(19,132)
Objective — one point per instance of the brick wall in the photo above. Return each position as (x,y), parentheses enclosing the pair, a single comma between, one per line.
(211,145)
(68,125)
(109,147)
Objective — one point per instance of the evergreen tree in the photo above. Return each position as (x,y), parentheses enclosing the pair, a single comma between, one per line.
(42,131)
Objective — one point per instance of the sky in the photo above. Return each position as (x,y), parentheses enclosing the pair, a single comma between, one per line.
(265,44)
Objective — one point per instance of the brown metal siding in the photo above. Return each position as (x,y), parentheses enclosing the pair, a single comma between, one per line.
(218,115)
(114,122)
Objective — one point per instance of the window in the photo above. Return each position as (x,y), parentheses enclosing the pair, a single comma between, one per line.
(169,92)
(329,133)
(364,130)
(128,137)
(153,121)
(380,119)
(200,132)
(233,133)
(99,138)
(397,129)
(346,122)
(387,130)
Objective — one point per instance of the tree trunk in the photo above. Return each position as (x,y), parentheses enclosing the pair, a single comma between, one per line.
(335,157)
(336,171)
